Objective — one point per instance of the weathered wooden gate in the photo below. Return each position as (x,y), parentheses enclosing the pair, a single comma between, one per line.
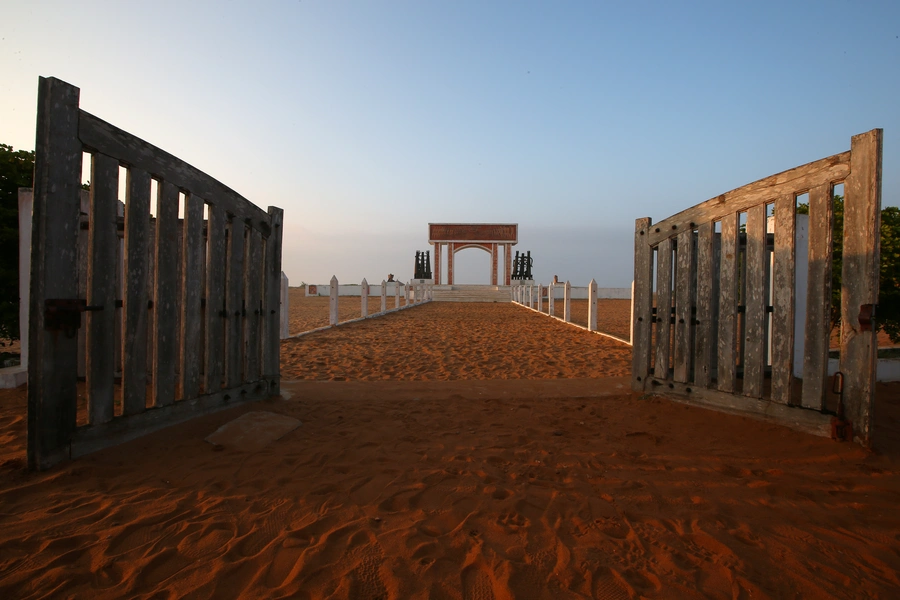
(723,282)
(219,320)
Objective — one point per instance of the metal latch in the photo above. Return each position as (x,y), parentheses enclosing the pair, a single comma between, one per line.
(64,314)
(841,428)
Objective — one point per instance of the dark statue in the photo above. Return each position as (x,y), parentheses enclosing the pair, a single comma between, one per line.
(522,266)
(423,265)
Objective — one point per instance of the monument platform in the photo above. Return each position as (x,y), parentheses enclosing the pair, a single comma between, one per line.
(471,293)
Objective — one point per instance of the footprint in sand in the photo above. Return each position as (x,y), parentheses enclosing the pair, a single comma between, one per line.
(477,584)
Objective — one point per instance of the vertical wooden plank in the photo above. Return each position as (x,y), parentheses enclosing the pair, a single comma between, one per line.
(663,307)
(271,343)
(100,361)
(81,273)
(642,305)
(756,302)
(704,341)
(165,334)
(137,245)
(191,288)
(684,302)
(818,298)
(215,299)
(253,301)
(52,360)
(234,303)
(860,280)
(728,300)
(783,299)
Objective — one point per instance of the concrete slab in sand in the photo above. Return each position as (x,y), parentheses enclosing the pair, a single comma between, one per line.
(253,431)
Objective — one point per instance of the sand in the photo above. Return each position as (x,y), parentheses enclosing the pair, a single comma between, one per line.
(491,473)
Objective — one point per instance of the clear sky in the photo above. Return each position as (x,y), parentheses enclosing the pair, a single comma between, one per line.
(366,120)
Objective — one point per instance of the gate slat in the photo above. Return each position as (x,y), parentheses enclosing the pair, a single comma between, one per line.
(818,297)
(100,359)
(252,294)
(271,339)
(52,358)
(704,339)
(728,264)
(191,286)
(862,208)
(234,300)
(783,299)
(684,300)
(164,298)
(215,299)
(663,307)
(137,247)
(756,302)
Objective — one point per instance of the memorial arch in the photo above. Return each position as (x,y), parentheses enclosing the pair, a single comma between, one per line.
(453,237)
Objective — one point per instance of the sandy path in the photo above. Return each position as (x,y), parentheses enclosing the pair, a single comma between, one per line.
(444,483)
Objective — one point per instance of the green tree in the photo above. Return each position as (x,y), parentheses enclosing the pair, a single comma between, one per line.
(887,317)
(16,170)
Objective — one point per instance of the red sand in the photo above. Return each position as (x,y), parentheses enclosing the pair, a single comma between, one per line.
(450,481)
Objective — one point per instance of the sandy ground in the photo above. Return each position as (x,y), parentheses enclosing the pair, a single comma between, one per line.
(513,465)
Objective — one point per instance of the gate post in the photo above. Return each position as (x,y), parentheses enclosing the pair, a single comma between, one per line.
(567,302)
(641,305)
(53,355)
(860,281)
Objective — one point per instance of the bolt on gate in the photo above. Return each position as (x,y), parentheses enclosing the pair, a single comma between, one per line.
(190,305)
(715,297)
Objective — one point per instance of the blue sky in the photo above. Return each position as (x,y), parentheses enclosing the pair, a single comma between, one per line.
(367,120)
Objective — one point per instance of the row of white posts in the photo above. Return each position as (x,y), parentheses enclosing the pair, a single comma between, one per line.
(415,293)
(532,296)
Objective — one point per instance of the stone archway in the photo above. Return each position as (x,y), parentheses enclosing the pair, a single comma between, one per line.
(458,236)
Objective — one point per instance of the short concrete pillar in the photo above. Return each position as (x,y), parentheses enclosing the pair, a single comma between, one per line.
(383,295)
(540,298)
(567,303)
(396,294)
(285,306)
(592,306)
(551,301)
(333,302)
(364,297)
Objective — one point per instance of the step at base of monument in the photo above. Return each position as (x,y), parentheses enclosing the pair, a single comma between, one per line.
(471,293)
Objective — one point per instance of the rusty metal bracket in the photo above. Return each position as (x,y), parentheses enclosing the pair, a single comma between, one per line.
(866,316)
(64,314)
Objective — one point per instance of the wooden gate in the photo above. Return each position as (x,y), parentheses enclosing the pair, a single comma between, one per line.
(196,325)
(723,282)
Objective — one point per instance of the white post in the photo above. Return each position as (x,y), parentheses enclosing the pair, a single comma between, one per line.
(592,306)
(567,300)
(551,301)
(26,203)
(333,302)
(540,298)
(631,323)
(383,295)
(285,306)
(396,294)
(364,295)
